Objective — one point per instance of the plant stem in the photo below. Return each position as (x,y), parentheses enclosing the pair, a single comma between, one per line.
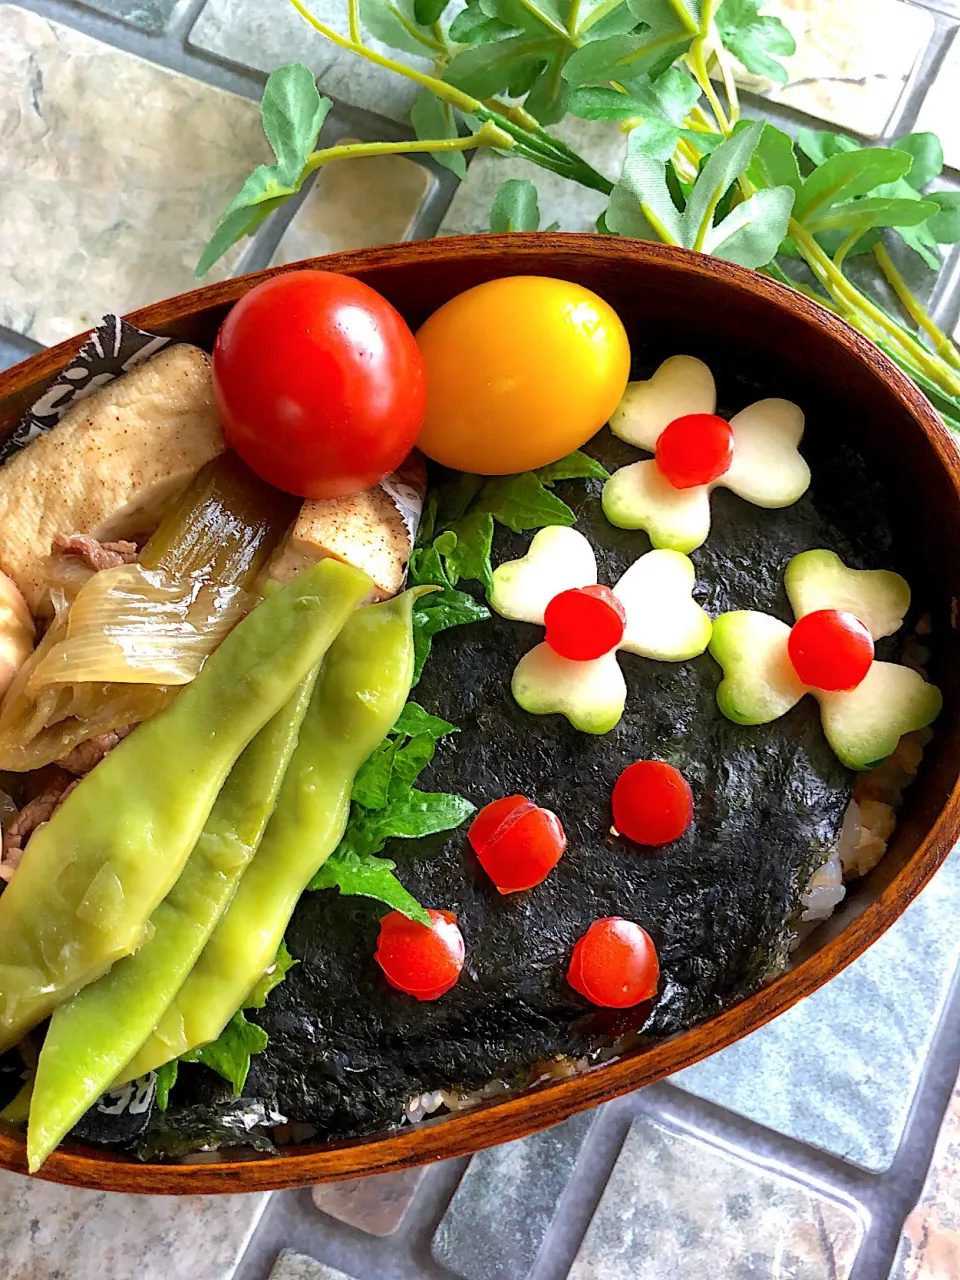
(488,136)
(840,288)
(846,246)
(698,66)
(445,92)
(942,344)
(355,33)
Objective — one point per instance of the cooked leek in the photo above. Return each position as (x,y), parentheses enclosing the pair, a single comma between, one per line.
(132,634)
(137,626)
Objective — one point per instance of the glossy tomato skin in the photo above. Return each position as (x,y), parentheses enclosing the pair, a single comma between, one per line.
(520,372)
(584,623)
(319,384)
(615,965)
(517,843)
(652,803)
(831,650)
(421,962)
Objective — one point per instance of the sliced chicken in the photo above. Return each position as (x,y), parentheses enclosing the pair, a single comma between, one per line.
(111,467)
(373,531)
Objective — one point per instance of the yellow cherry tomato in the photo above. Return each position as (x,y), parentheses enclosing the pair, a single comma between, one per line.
(520,372)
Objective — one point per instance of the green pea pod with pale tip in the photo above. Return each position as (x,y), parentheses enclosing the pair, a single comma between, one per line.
(94,874)
(94,1035)
(362,688)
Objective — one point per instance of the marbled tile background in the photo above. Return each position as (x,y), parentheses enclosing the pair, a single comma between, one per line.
(824,1147)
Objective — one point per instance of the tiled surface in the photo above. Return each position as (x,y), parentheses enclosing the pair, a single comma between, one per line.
(676,1207)
(930,1246)
(266,33)
(853,60)
(504,1207)
(48,1231)
(110,150)
(941,106)
(148,15)
(296,1266)
(575,208)
(110,161)
(354,204)
(840,1068)
(376,1205)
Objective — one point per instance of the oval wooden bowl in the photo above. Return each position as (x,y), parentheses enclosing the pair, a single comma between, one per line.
(678,298)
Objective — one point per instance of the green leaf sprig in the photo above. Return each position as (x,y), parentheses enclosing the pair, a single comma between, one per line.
(385,805)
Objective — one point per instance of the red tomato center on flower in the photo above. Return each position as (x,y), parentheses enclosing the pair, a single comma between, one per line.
(830,650)
(652,803)
(615,964)
(694,449)
(419,961)
(517,843)
(584,623)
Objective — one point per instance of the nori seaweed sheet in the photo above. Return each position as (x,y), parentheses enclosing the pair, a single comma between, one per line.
(346,1051)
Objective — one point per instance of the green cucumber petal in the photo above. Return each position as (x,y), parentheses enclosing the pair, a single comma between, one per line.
(559,558)
(766,469)
(680,386)
(591,695)
(663,619)
(864,725)
(759,683)
(820,580)
(638,497)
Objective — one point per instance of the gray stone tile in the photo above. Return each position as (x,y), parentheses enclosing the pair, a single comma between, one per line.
(264,34)
(576,208)
(930,1244)
(10,355)
(678,1208)
(501,1212)
(47,1231)
(148,15)
(113,173)
(297,1266)
(376,1205)
(853,59)
(940,112)
(355,204)
(839,1070)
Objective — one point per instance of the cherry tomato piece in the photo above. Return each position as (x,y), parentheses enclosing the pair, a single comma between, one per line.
(520,372)
(652,803)
(319,384)
(584,623)
(419,961)
(830,650)
(517,843)
(695,449)
(615,964)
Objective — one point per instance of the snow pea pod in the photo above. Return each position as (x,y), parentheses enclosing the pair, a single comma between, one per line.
(91,877)
(363,685)
(95,1034)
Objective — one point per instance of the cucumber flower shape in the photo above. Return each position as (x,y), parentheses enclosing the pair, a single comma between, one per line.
(760,683)
(764,466)
(662,620)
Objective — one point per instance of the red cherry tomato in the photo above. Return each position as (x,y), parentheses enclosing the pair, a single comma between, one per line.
(584,623)
(652,803)
(694,449)
(830,650)
(419,961)
(517,843)
(319,384)
(615,964)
